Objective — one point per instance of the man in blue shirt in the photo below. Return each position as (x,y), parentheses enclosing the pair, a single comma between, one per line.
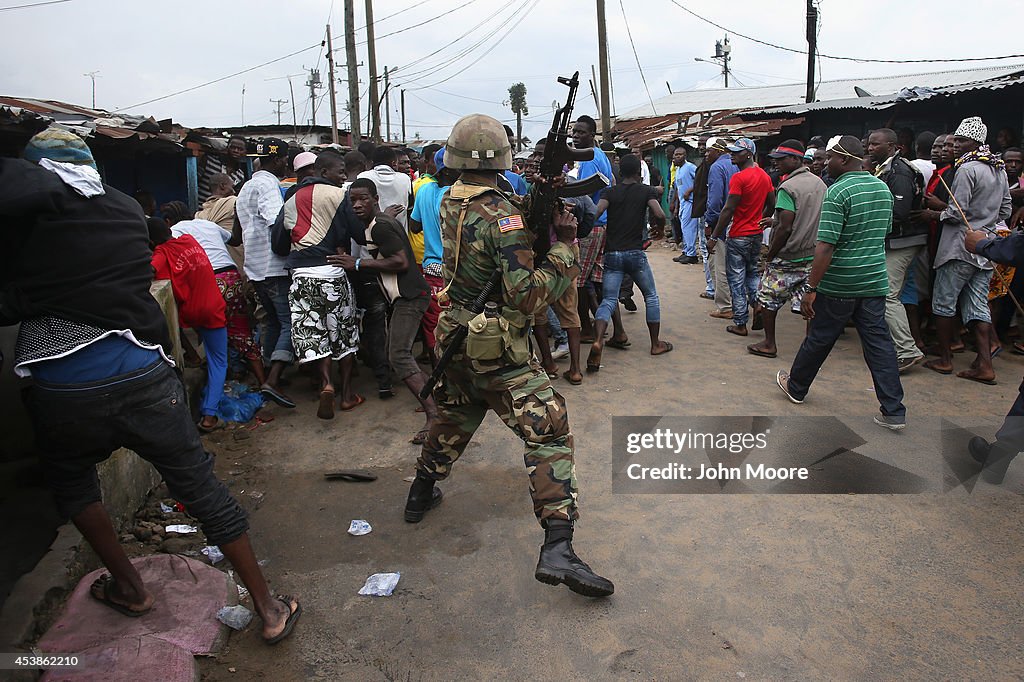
(720,172)
(682,205)
(426,218)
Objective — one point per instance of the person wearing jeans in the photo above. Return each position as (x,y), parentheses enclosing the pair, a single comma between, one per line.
(720,172)
(750,199)
(627,204)
(741,256)
(849,280)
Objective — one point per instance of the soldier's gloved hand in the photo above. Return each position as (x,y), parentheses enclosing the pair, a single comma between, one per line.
(565,225)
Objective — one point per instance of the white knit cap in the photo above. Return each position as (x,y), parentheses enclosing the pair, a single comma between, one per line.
(972,128)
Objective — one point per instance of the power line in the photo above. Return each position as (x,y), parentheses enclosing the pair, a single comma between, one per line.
(526,8)
(848,59)
(34,4)
(637,57)
(222,78)
(401,11)
(422,23)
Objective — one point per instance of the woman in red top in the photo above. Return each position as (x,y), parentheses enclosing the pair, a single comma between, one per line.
(200,306)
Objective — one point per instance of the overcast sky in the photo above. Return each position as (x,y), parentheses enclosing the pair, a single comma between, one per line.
(144,51)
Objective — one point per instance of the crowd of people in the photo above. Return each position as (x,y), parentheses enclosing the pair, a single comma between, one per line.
(320,259)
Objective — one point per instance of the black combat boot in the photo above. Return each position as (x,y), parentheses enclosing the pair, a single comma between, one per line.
(995,458)
(423,496)
(559,564)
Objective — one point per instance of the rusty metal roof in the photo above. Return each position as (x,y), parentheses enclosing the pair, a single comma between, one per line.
(649,132)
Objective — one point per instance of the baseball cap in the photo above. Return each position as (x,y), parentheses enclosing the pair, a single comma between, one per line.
(809,154)
(270,146)
(788,148)
(744,144)
(439,159)
(303,159)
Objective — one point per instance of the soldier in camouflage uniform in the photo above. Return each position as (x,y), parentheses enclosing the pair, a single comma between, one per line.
(483,233)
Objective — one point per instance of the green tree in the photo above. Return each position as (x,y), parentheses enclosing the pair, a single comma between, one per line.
(517,100)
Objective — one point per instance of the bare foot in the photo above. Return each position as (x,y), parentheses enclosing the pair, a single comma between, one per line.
(738,330)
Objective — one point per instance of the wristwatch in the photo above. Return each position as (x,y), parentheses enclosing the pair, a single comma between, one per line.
(810,290)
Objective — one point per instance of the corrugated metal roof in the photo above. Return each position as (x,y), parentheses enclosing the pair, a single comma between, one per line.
(791,94)
(883,101)
(52,108)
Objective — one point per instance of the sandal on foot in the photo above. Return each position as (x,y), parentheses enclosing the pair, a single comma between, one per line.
(359,401)
(567,375)
(326,408)
(969,374)
(289,624)
(594,360)
(217,426)
(933,366)
(621,345)
(754,350)
(105,583)
(666,347)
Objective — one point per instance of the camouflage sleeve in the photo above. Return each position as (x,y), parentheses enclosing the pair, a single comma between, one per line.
(528,288)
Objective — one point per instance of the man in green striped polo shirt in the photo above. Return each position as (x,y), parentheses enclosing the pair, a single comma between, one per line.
(849,280)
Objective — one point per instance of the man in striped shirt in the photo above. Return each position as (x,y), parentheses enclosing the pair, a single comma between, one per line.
(849,280)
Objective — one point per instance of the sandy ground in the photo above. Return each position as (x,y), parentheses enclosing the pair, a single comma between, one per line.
(775,587)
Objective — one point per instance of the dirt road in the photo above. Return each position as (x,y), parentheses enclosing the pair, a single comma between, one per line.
(707,586)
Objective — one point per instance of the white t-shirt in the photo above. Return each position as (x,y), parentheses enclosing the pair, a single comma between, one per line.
(211,236)
(926,167)
(392,188)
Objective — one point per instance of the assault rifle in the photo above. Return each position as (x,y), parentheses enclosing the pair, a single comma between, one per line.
(557,154)
(460,333)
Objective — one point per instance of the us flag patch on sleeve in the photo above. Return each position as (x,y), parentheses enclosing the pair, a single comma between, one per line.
(512,222)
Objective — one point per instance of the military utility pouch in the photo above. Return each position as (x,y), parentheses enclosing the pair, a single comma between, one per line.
(488,338)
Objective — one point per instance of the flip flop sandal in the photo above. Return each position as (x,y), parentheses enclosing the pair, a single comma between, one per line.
(552,375)
(760,353)
(351,475)
(931,365)
(359,401)
(987,382)
(568,377)
(1018,347)
(106,582)
(277,397)
(288,624)
(668,348)
(326,408)
(996,352)
(594,361)
(216,427)
(621,345)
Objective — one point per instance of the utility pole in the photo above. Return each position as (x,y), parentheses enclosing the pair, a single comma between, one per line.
(330,87)
(353,72)
(404,138)
(387,105)
(295,121)
(313,84)
(602,55)
(92,76)
(278,102)
(723,51)
(372,61)
(812,46)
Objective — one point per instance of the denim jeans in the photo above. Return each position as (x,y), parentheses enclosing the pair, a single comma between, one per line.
(634,263)
(830,316)
(78,426)
(558,334)
(277,325)
(688,228)
(741,257)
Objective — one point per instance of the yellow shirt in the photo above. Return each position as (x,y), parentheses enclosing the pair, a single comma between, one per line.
(416,238)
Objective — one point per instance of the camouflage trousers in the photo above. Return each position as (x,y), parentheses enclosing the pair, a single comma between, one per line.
(523,398)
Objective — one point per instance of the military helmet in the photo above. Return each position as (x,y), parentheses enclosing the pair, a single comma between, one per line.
(478,142)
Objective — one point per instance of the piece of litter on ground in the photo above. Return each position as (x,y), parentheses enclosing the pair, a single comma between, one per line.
(380,584)
(232,670)
(263,562)
(213,553)
(242,592)
(166,509)
(182,528)
(409,479)
(359,527)
(235,617)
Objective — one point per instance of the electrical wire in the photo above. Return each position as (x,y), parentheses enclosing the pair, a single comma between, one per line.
(34,4)
(637,57)
(464,5)
(525,9)
(863,60)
